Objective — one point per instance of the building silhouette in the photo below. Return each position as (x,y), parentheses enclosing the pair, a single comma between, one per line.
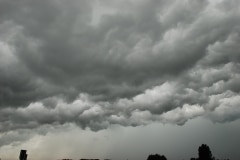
(23,155)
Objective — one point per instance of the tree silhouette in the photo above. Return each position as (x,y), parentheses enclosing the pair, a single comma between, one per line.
(204,153)
(156,157)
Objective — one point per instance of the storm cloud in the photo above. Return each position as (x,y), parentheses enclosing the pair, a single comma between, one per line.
(130,63)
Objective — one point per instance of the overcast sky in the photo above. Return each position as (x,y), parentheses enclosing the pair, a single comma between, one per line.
(119,79)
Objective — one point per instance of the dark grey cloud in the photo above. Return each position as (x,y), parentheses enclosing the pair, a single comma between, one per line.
(130,63)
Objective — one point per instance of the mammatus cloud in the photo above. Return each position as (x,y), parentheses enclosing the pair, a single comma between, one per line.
(130,63)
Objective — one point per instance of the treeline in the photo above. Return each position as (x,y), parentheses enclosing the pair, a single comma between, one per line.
(204,153)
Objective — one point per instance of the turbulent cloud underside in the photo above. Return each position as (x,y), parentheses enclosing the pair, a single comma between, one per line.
(98,63)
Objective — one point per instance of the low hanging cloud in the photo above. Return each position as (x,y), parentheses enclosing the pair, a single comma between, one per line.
(130,63)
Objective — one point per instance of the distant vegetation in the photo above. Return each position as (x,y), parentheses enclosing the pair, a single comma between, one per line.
(156,157)
(204,153)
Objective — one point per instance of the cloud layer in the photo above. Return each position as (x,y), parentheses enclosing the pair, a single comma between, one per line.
(97,63)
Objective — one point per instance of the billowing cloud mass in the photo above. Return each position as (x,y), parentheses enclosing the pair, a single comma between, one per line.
(117,62)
